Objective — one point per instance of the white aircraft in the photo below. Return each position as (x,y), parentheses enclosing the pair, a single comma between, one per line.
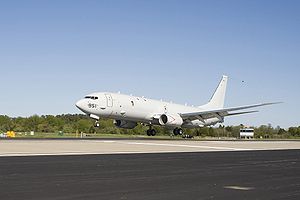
(127,110)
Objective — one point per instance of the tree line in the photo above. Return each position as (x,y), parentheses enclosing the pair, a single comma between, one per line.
(77,123)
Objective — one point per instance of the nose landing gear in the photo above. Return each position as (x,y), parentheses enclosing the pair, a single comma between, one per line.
(97,124)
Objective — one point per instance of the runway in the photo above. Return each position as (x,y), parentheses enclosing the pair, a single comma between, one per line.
(197,175)
(149,169)
(125,146)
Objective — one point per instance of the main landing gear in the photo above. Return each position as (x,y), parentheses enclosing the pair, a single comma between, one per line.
(151,131)
(178,131)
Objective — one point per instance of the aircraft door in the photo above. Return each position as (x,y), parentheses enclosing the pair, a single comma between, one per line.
(109,100)
(102,102)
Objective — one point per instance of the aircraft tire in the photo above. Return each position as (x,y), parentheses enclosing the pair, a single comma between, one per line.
(178,131)
(175,131)
(97,124)
(153,132)
(149,132)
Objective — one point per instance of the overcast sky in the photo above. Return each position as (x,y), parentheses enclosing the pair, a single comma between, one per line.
(52,53)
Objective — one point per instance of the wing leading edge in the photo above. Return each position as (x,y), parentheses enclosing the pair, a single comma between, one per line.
(220,113)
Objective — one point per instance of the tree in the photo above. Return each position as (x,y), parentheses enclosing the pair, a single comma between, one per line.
(32,123)
(228,128)
(211,131)
(5,123)
(294,131)
(84,125)
(281,131)
(71,123)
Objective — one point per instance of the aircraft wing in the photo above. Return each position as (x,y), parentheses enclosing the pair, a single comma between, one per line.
(220,113)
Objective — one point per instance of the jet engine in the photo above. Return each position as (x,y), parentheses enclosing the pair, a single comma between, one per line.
(170,120)
(125,124)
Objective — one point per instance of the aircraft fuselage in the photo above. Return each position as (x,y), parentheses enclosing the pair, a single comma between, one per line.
(137,109)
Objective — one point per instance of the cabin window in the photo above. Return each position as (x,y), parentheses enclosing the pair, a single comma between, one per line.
(91,97)
(132,103)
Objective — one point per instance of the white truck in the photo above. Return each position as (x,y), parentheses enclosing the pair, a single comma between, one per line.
(246,133)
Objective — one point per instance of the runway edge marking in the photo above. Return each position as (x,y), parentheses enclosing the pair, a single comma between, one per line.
(184,145)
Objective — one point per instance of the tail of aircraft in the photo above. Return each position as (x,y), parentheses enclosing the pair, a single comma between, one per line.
(218,98)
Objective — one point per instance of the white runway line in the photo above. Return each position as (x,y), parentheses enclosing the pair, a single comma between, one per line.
(108,141)
(239,188)
(88,153)
(184,145)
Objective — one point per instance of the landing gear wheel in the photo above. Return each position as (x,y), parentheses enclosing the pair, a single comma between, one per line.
(97,124)
(151,132)
(178,131)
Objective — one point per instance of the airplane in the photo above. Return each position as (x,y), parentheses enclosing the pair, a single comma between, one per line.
(127,110)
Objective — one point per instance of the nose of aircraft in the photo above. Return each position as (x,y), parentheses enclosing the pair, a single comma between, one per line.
(80,104)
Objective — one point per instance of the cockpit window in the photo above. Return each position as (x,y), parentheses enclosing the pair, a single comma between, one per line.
(91,97)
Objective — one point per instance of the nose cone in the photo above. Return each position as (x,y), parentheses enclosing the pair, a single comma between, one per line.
(80,104)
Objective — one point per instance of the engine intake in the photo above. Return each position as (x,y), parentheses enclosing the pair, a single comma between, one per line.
(170,120)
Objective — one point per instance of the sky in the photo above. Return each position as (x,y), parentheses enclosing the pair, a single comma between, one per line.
(52,53)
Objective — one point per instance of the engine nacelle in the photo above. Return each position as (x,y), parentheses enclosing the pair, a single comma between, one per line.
(170,120)
(125,124)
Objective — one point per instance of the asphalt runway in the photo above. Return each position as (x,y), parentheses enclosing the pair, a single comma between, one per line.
(188,175)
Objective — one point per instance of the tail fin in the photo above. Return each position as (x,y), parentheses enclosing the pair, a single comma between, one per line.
(218,98)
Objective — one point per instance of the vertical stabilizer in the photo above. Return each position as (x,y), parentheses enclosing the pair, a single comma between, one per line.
(218,98)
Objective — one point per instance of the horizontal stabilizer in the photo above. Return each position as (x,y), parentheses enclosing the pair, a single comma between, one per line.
(206,114)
